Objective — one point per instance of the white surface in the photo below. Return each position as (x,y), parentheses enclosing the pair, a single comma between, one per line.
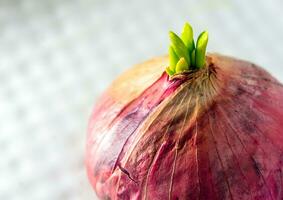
(57,56)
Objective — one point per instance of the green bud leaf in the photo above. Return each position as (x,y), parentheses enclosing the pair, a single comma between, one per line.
(173,59)
(169,71)
(193,58)
(182,65)
(187,37)
(179,47)
(201,49)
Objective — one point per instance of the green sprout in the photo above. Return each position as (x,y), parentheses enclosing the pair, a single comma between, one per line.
(184,55)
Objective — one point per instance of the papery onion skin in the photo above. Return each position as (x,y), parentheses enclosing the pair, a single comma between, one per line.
(216,133)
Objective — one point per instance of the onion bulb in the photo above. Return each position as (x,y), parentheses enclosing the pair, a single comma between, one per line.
(189,125)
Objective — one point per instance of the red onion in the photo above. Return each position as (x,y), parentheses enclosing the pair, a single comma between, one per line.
(207,133)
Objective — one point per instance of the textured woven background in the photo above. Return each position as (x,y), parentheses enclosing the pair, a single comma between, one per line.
(57,56)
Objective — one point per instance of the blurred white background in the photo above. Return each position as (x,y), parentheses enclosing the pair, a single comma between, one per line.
(57,56)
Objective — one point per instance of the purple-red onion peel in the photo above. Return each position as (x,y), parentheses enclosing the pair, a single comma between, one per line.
(214,133)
